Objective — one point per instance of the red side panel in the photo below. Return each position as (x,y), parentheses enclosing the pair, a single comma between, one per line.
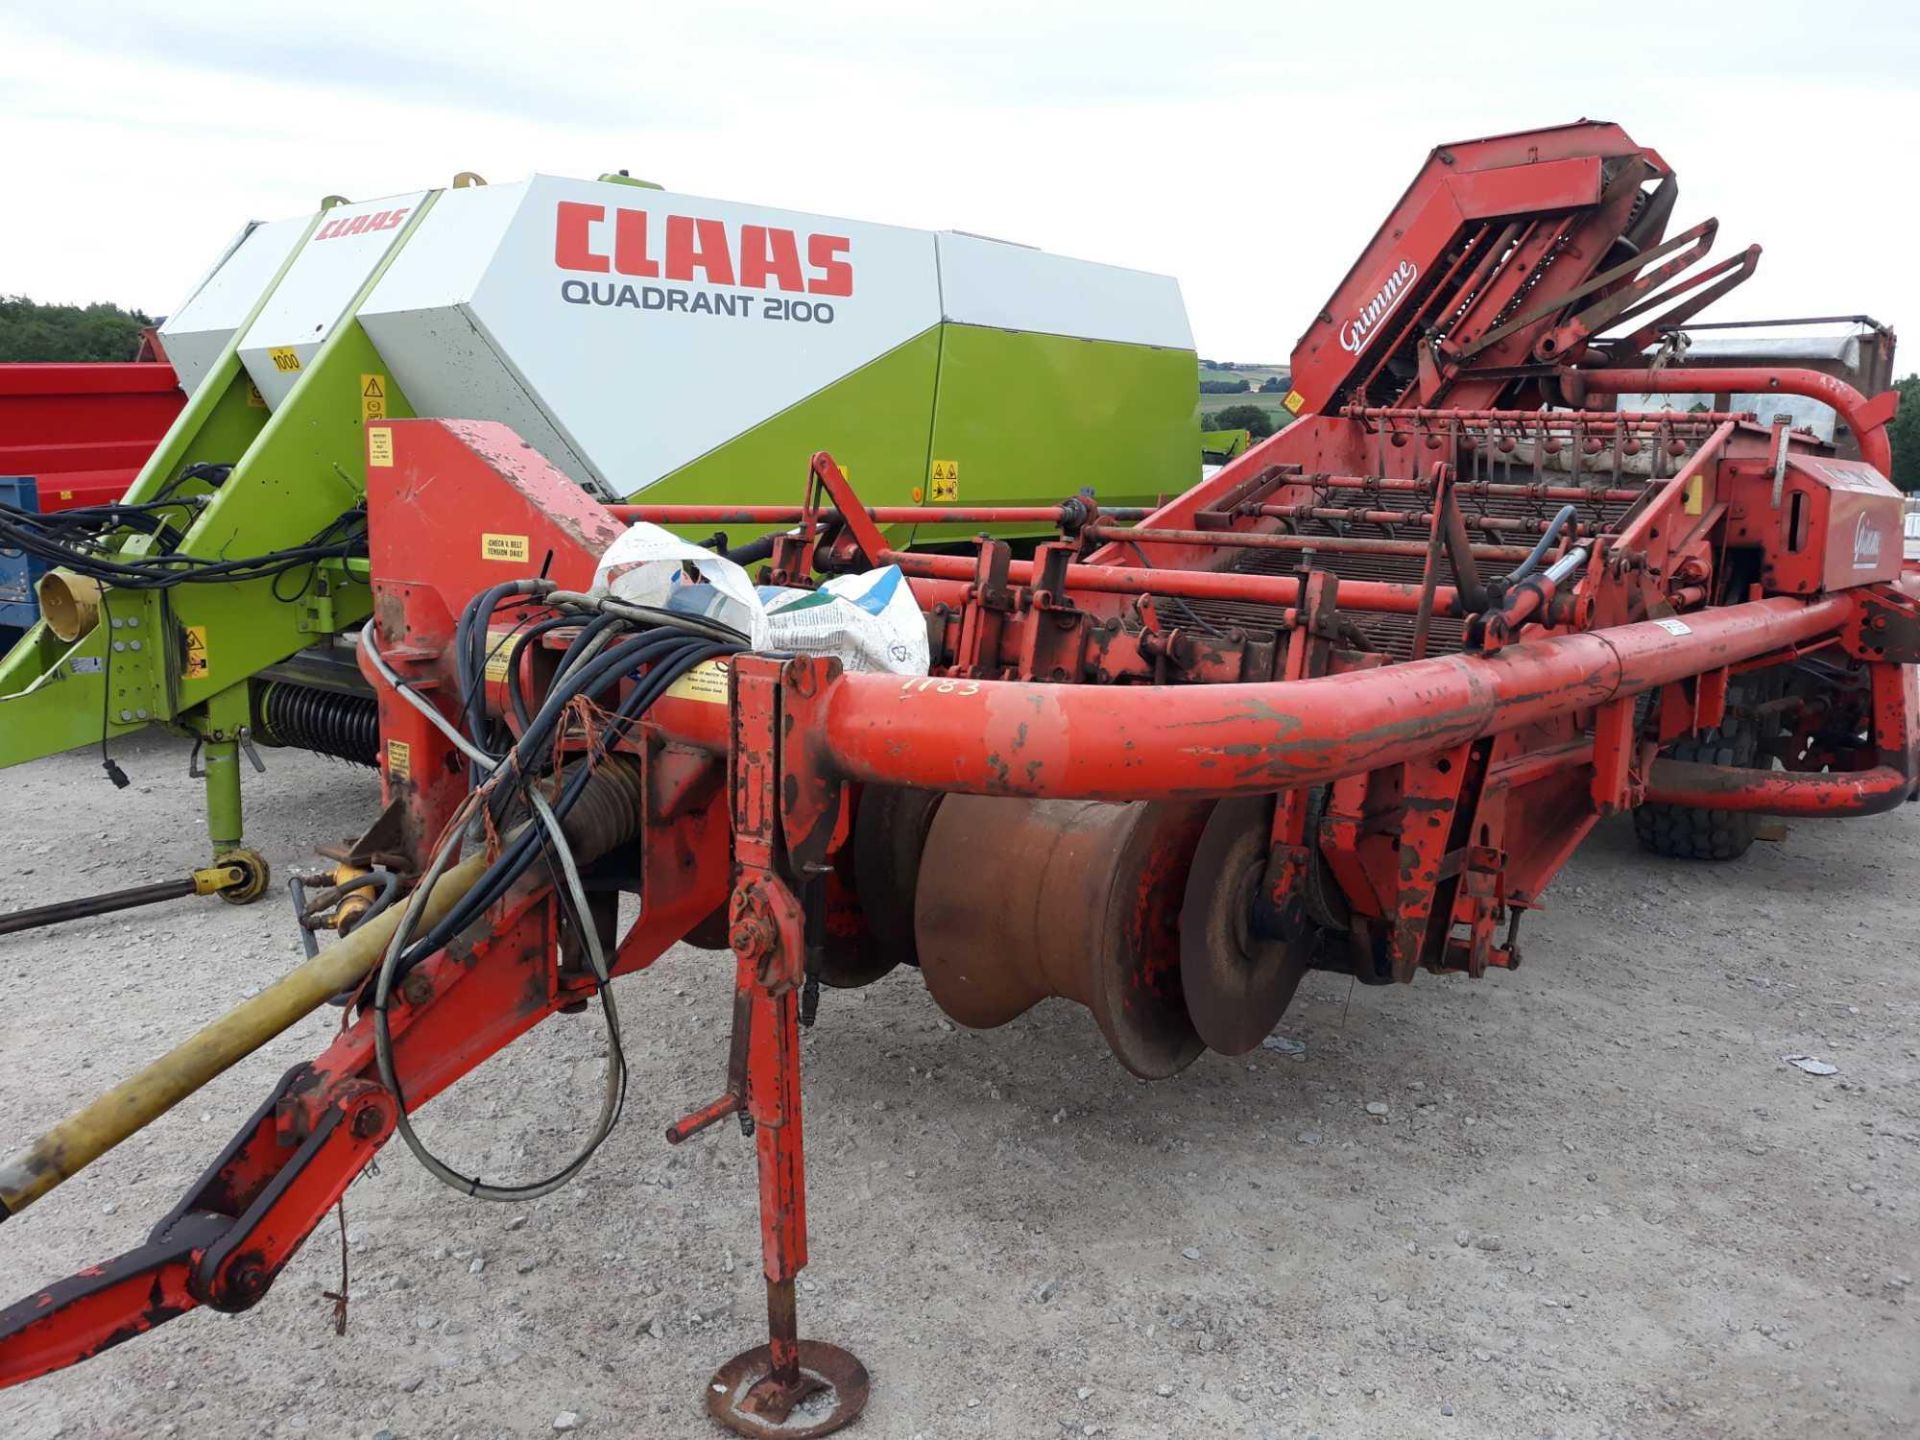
(84,431)
(1460,190)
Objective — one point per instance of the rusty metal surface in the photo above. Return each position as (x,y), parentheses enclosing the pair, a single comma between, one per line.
(1084,899)
(1778,792)
(889,838)
(830,1393)
(1238,979)
(1190,742)
(1037,817)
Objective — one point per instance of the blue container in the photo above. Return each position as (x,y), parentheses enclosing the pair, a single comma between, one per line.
(19,572)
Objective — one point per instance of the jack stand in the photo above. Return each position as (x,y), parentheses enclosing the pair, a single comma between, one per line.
(789,1387)
(221,737)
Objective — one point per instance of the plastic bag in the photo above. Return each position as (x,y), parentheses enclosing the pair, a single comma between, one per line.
(648,566)
(868,622)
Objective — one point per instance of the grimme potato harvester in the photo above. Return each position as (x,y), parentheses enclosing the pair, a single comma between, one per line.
(1346,705)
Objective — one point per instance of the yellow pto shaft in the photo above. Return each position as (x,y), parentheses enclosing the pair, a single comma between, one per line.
(91,1131)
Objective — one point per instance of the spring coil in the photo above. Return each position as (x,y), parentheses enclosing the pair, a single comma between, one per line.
(328,722)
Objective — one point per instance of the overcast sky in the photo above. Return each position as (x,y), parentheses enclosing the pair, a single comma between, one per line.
(1250,150)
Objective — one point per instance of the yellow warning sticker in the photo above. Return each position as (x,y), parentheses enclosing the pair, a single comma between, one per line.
(1293,401)
(254,398)
(503,547)
(1695,499)
(706,683)
(380,447)
(66,494)
(373,397)
(399,760)
(285,359)
(196,667)
(499,654)
(945,478)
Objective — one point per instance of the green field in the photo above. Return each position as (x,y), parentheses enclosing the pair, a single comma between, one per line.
(1255,375)
(1269,403)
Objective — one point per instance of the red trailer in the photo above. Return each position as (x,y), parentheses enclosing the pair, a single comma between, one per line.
(84,431)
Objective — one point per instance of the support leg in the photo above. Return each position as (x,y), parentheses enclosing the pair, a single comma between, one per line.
(221,760)
(222,729)
(789,1387)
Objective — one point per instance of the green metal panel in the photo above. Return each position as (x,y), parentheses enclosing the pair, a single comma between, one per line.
(306,468)
(294,470)
(876,422)
(1030,418)
(999,416)
(1220,446)
(1027,418)
(55,696)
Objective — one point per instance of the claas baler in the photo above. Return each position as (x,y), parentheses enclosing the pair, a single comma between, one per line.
(1348,705)
(644,342)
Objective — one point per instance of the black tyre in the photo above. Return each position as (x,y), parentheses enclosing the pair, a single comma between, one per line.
(1683,832)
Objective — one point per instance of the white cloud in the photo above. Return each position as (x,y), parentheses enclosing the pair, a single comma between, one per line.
(1249,151)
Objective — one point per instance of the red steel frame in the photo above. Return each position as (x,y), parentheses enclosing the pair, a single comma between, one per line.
(1435,795)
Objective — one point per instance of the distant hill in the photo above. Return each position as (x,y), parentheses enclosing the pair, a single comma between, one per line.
(1265,382)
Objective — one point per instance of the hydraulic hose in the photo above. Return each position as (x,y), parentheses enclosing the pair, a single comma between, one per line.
(607,818)
(1543,545)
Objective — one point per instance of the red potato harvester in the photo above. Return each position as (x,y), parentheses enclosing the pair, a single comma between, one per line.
(1348,704)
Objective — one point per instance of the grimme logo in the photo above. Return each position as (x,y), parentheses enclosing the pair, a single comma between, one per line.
(1866,543)
(362,224)
(701,250)
(1355,334)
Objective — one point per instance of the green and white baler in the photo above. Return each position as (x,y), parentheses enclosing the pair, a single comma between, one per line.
(647,343)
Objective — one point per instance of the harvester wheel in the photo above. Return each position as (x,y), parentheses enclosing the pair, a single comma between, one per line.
(1685,832)
(1021,899)
(1241,958)
(257,876)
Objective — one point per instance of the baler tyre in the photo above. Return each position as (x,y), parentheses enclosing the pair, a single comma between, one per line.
(1687,832)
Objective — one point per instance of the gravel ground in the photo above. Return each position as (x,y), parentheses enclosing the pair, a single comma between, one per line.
(1600,1201)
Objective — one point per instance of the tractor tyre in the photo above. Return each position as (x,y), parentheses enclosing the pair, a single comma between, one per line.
(1685,832)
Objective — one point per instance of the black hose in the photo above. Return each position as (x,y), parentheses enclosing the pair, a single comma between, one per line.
(672,656)
(470,658)
(754,552)
(79,545)
(1542,545)
(515,697)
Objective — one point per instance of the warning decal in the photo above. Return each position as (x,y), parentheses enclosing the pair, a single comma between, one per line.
(196,667)
(399,760)
(380,447)
(945,476)
(1293,401)
(373,397)
(499,654)
(706,683)
(504,547)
